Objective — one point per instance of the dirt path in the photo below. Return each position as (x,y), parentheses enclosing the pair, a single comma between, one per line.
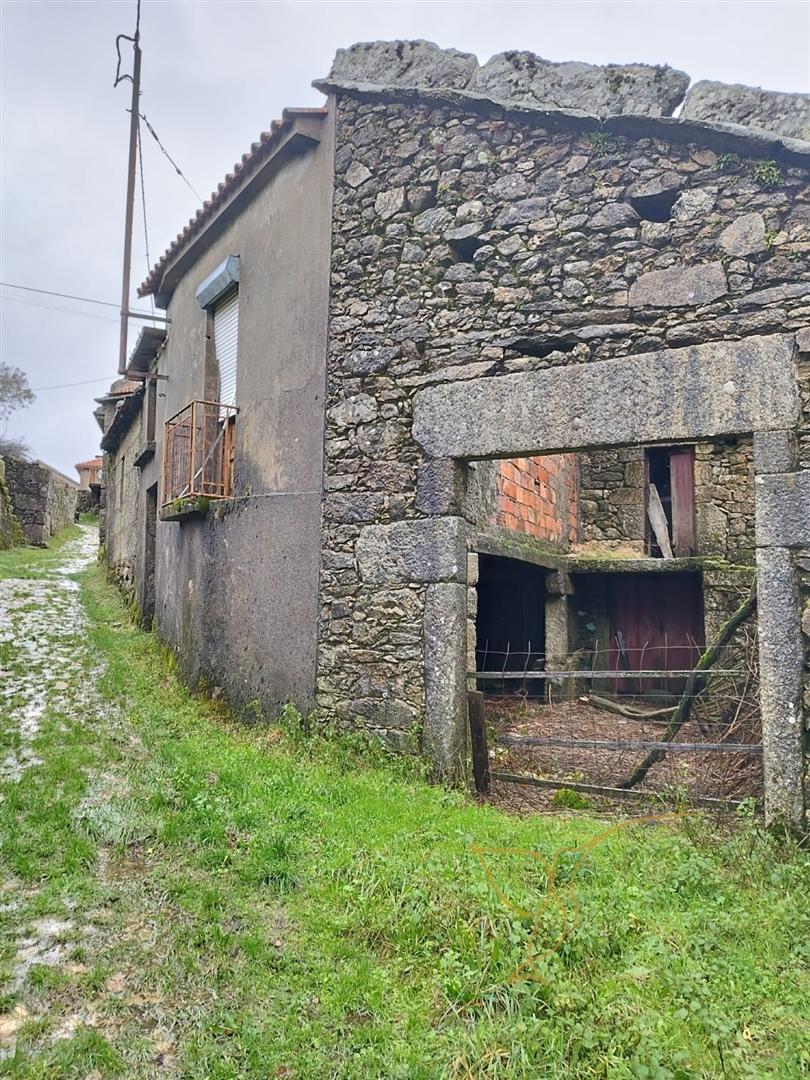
(44,665)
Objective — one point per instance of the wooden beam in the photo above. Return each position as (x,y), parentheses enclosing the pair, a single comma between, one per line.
(658,520)
(608,792)
(478,740)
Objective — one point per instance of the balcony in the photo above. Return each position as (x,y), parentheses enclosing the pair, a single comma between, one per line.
(197,459)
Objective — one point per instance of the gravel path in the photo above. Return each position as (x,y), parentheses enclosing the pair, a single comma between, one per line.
(42,631)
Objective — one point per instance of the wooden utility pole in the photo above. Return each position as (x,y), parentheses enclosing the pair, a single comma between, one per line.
(135,79)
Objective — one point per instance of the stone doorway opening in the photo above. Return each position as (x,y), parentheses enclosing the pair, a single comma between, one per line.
(587,655)
(716,390)
(510,631)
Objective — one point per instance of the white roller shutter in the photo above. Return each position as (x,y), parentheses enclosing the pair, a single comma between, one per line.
(226,331)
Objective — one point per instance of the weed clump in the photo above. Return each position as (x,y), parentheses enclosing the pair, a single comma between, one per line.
(571,799)
(767,174)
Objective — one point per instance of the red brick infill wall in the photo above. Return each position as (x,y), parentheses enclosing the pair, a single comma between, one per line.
(538,496)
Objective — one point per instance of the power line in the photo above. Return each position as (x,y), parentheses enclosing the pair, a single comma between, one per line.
(67,296)
(45,305)
(171,160)
(64,386)
(143,203)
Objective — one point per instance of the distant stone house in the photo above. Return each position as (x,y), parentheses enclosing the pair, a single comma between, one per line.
(89,472)
(89,496)
(471,360)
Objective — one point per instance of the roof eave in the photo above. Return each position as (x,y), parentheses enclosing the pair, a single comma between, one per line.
(129,408)
(300,132)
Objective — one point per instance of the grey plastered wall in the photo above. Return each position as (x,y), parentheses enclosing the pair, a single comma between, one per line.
(237,590)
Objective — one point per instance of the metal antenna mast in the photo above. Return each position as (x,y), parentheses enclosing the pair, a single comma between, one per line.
(135,79)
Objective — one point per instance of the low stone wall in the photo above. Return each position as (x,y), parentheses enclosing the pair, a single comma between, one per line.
(88,500)
(11,535)
(43,503)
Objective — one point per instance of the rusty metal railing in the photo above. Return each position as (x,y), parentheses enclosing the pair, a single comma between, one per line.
(198,452)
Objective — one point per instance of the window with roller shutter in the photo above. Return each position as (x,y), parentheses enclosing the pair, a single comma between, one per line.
(226,332)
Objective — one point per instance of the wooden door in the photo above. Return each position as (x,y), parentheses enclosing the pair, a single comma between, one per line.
(682,479)
(656,623)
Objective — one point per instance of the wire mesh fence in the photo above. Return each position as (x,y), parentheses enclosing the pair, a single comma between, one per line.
(617,726)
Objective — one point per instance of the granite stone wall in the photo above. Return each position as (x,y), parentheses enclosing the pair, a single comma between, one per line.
(119,511)
(609,90)
(724,500)
(612,489)
(11,534)
(474,244)
(43,502)
(88,500)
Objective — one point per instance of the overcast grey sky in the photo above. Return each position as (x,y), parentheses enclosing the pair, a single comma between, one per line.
(214,75)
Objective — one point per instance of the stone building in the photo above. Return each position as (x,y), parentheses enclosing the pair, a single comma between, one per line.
(11,534)
(89,472)
(476,343)
(89,497)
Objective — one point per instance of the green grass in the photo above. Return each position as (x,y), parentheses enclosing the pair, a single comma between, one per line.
(29,562)
(253,903)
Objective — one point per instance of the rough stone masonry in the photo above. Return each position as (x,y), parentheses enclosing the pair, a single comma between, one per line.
(530,257)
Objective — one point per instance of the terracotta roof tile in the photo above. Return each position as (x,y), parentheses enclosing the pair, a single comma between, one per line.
(250,162)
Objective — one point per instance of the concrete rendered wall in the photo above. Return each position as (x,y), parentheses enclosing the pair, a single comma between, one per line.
(459,233)
(237,590)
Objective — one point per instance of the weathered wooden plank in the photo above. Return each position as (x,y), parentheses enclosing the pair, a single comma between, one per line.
(682,480)
(658,520)
(586,673)
(478,740)
(608,792)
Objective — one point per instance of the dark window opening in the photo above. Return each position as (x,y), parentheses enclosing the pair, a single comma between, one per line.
(464,244)
(540,347)
(510,622)
(655,207)
(670,502)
